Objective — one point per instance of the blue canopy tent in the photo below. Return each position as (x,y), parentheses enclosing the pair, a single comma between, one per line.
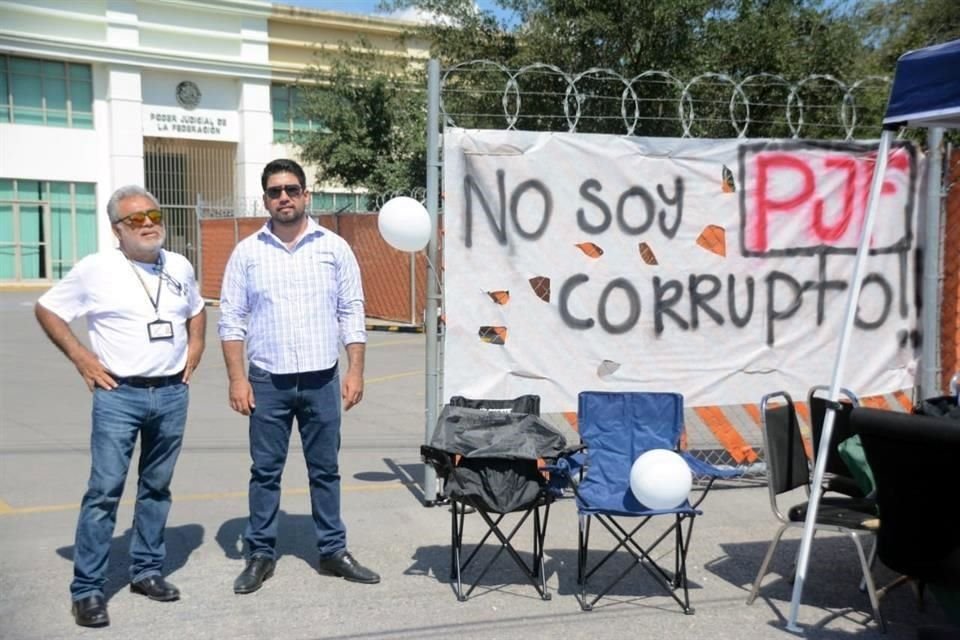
(925,93)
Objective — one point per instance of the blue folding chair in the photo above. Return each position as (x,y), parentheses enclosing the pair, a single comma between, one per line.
(616,428)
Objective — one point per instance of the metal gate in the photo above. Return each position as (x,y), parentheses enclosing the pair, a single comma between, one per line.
(186,175)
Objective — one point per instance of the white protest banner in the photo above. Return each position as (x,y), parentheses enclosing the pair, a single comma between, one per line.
(714,268)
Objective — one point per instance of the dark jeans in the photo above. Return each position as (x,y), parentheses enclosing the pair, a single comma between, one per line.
(158,415)
(313,398)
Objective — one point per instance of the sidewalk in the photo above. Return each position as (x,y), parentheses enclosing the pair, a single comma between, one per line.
(43,470)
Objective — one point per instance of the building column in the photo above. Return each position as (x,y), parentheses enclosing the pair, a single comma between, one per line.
(124,139)
(253,152)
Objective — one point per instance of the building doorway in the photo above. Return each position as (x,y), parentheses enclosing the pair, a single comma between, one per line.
(186,175)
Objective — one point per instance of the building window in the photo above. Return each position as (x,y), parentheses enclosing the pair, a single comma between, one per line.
(45,227)
(45,92)
(288,122)
(337,202)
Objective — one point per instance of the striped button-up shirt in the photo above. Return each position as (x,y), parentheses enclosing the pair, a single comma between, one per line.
(292,307)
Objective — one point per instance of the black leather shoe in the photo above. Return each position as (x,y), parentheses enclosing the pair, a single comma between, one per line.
(343,564)
(90,611)
(156,588)
(258,569)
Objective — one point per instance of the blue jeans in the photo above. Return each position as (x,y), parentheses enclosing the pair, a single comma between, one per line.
(313,398)
(158,415)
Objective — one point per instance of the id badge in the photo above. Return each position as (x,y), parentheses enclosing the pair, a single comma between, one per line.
(160,330)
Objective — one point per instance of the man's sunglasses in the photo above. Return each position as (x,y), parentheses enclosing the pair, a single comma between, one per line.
(293,190)
(139,218)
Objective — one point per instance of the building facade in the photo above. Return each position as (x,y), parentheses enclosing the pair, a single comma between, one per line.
(187,98)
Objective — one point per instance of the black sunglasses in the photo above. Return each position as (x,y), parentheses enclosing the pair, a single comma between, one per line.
(293,190)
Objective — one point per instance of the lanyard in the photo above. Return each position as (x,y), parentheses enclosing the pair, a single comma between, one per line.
(154,303)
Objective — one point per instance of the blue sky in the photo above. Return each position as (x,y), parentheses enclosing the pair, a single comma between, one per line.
(366,7)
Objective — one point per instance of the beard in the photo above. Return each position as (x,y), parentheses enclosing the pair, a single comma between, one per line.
(288,216)
(144,246)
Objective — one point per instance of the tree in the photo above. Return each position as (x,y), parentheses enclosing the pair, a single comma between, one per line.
(374,113)
(373,119)
(793,39)
(893,27)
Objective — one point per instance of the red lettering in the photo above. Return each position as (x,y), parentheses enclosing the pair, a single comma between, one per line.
(766,164)
(831,233)
(845,203)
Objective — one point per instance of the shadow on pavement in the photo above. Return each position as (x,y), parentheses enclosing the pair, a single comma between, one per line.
(296,537)
(181,541)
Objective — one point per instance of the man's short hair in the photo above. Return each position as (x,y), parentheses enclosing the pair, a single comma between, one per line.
(283,165)
(129,191)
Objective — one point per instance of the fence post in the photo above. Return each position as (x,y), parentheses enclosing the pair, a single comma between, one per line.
(432,380)
(932,269)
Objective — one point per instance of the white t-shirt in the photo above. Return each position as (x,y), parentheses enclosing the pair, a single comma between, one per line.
(119,305)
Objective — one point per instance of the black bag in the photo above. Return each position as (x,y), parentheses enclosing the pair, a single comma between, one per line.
(939,407)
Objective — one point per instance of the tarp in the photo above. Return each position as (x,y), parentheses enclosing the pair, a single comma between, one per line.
(480,433)
(926,88)
(498,471)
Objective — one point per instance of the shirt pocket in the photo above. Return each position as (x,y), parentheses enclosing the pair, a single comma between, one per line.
(321,275)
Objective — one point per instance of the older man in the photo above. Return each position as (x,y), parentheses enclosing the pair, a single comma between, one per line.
(146,325)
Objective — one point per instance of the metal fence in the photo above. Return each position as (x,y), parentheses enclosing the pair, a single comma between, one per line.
(542,97)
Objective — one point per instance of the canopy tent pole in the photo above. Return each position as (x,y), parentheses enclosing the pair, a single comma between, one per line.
(863,250)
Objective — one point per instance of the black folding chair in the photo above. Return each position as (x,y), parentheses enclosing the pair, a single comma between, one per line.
(788,468)
(838,477)
(913,460)
(487,456)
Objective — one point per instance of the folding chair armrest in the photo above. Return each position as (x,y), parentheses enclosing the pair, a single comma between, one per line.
(572,450)
(704,469)
(701,469)
(569,461)
(441,460)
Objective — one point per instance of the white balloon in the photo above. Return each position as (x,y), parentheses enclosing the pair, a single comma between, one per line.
(405,224)
(660,479)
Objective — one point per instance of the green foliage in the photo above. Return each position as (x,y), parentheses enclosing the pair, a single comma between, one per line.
(373,119)
(893,27)
(375,113)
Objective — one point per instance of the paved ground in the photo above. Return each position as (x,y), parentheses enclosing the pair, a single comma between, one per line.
(44,425)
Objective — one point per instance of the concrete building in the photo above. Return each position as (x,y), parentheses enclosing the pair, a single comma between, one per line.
(189,98)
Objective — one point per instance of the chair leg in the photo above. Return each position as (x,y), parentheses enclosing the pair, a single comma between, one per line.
(765,564)
(868,578)
(871,560)
(456,550)
(540,532)
(681,574)
(642,557)
(582,543)
(532,572)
